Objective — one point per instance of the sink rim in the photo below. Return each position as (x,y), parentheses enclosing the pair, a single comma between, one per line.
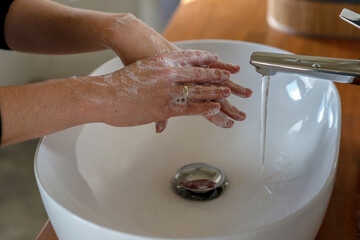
(329,181)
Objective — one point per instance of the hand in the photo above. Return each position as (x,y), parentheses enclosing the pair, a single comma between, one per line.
(142,41)
(132,39)
(153,89)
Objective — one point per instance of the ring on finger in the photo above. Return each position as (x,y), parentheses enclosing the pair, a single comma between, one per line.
(186,93)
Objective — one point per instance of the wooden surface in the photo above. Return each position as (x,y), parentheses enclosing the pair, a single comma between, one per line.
(47,233)
(245,20)
(313,18)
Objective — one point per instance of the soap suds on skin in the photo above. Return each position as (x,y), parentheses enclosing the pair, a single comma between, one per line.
(120,21)
(213,112)
(83,96)
(128,84)
(158,45)
(220,120)
(132,82)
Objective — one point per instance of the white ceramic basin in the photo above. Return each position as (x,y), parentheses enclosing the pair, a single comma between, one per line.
(101,182)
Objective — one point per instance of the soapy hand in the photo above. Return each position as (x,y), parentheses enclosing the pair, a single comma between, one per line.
(152,89)
(142,42)
(144,91)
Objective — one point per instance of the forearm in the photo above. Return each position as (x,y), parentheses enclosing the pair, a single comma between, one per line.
(122,98)
(34,110)
(42,26)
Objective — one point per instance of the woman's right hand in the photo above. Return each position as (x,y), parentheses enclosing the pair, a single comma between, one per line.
(152,89)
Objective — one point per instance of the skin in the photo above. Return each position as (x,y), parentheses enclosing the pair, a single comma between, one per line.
(139,49)
(150,87)
(151,90)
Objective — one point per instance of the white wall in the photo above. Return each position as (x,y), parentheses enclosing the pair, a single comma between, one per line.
(19,68)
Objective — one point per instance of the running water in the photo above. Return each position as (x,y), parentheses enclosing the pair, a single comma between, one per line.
(263,117)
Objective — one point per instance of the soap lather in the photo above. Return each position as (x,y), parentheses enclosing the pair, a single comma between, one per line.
(333,69)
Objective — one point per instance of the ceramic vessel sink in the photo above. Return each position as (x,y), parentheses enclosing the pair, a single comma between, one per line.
(102,182)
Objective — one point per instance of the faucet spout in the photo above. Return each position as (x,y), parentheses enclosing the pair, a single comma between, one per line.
(334,69)
(351,17)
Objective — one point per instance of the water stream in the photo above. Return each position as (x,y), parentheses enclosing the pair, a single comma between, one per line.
(263,116)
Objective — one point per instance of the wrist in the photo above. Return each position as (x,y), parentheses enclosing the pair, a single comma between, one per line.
(90,96)
(117,31)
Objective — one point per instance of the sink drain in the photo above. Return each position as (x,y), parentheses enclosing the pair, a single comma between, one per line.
(199,181)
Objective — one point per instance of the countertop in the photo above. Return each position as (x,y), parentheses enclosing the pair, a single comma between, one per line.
(246,20)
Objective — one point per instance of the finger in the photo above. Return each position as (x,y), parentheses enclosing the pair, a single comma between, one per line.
(189,58)
(237,89)
(194,108)
(200,75)
(160,126)
(220,120)
(198,92)
(232,68)
(231,111)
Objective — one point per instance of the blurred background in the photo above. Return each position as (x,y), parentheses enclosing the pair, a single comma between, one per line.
(22,214)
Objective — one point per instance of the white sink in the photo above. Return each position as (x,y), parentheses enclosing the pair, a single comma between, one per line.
(100,182)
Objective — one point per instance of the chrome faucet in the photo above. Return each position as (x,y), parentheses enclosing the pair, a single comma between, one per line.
(334,69)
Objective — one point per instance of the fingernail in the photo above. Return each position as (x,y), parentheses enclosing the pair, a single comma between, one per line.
(242,116)
(226,92)
(160,126)
(236,68)
(244,92)
(249,92)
